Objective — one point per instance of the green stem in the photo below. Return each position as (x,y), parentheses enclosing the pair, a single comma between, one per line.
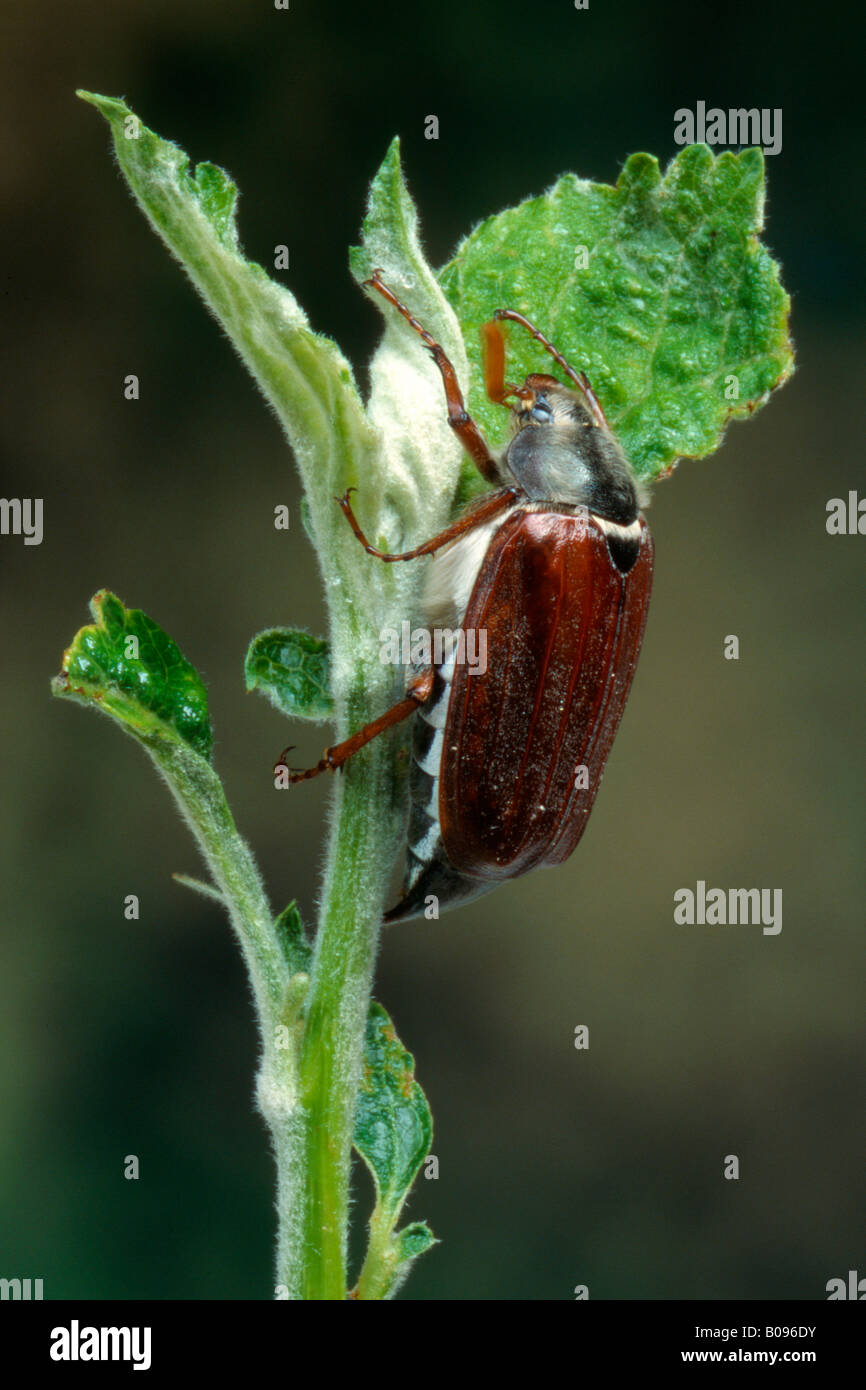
(308,1080)
(377,1274)
(338,1002)
(199,794)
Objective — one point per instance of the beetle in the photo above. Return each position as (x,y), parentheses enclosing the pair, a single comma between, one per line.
(555,566)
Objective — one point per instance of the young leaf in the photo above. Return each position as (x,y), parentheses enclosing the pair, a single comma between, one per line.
(302,374)
(658,288)
(206,890)
(393,1133)
(305,520)
(292,937)
(393,1124)
(292,669)
(125,665)
(389,1261)
(414,1240)
(298,954)
(422,459)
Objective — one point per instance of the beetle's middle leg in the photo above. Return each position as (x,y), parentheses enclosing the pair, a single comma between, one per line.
(490,506)
(417,692)
(459,419)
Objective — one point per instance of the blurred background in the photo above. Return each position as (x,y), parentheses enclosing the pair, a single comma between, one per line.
(557,1167)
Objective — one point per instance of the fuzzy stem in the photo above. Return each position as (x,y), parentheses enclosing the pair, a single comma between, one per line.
(200,796)
(337,1005)
(376,1279)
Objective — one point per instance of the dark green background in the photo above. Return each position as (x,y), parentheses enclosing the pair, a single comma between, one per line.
(556,1167)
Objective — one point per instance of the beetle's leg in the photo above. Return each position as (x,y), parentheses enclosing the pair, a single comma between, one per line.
(580,379)
(491,506)
(418,691)
(459,418)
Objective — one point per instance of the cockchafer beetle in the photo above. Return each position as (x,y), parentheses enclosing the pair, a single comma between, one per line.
(555,566)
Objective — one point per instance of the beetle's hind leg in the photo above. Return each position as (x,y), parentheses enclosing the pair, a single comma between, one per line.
(418,691)
(459,419)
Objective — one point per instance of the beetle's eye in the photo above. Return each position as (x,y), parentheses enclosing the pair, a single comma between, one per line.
(541,411)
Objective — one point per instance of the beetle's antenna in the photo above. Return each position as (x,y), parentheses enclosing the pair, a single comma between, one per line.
(580,379)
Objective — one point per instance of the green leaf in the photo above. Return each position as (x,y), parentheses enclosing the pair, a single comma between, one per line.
(422,460)
(393,1134)
(393,1124)
(125,665)
(414,1240)
(302,374)
(297,952)
(678,295)
(292,669)
(154,693)
(206,890)
(390,1260)
(305,519)
(296,949)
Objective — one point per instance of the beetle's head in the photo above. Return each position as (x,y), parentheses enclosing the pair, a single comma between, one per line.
(542,401)
(560,453)
(563,449)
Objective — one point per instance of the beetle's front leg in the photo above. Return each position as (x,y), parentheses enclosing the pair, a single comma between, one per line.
(459,419)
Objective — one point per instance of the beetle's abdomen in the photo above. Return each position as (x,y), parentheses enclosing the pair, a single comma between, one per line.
(525,743)
(430,877)
(428,872)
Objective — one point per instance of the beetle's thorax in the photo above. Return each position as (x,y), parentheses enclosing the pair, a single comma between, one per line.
(560,453)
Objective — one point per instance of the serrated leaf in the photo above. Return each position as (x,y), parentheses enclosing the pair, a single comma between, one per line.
(296,948)
(124,664)
(677,296)
(292,668)
(393,1124)
(153,692)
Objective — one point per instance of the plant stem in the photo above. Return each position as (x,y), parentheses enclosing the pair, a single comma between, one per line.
(308,1094)
(377,1273)
(199,794)
(337,1007)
